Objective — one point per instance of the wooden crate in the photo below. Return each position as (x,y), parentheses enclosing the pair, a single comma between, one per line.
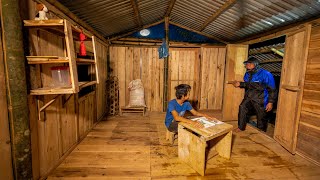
(133,110)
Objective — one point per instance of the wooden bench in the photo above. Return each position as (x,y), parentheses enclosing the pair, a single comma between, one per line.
(133,110)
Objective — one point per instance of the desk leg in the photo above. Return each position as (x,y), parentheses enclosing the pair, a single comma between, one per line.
(223,147)
(191,150)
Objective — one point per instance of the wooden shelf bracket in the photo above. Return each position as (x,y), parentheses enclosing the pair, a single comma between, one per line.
(41,109)
(65,100)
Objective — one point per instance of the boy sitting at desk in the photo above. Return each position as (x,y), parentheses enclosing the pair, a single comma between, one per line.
(177,108)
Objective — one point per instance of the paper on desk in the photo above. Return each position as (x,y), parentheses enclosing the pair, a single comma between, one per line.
(206,123)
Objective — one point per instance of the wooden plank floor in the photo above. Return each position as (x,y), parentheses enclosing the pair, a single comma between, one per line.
(134,147)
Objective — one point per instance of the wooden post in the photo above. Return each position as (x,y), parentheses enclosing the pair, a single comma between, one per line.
(165,68)
(14,65)
(5,145)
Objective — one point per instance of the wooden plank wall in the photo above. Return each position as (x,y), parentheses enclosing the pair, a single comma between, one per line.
(184,68)
(86,117)
(129,63)
(212,77)
(309,126)
(235,70)
(102,53)
(64,124)
(185,64)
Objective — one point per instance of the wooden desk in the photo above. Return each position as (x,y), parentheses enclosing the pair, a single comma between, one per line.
(196,146)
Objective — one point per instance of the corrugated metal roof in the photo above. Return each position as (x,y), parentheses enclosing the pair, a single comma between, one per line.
(239,21)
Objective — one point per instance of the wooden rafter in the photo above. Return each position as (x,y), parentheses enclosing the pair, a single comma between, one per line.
(137,29)
(198,32)
(271,61)
(214,16)
(172,2)
(136,12)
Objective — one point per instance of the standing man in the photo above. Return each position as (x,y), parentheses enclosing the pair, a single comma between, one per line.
(260,94)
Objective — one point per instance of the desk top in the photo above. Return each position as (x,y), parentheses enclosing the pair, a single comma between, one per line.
(210,132)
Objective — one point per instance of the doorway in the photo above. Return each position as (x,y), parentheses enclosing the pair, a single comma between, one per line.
(270,55)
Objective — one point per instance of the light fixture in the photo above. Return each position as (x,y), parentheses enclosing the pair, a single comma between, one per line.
(145,32)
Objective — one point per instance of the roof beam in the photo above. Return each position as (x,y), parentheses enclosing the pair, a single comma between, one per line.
(172,2)
(214,16)
(198,32)
(134,5)
(135,30)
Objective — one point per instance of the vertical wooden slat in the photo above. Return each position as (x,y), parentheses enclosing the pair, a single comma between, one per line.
(122,71)
(136,63)
(220,77)
(161,85)
(71,55)
(150,76)
(144,74)
(129,71)
(235,70)
(204,73)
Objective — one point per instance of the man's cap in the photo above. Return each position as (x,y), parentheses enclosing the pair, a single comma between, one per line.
(251,60)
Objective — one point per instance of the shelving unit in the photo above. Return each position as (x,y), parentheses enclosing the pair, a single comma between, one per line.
(66,56)
(70,33)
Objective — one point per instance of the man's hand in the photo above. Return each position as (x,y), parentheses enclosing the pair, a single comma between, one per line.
(269,107)
(236,83)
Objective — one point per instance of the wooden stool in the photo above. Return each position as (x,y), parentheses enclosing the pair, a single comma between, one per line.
(133,110)
(170,137)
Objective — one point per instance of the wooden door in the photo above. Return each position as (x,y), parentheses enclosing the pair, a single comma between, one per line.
(184,68)
(212,77)
(232,97)
(291,88)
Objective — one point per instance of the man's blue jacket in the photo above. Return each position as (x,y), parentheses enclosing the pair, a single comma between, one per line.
(260,86)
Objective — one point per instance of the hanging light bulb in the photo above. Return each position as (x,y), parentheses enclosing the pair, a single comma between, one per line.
(145,32)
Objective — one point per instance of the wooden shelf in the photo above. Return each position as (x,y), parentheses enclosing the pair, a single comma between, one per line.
(60,90)
(51,90)
(70,34)
(85,61)
(46,59)
(37,23)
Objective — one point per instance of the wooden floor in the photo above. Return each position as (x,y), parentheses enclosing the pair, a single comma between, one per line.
(134,147)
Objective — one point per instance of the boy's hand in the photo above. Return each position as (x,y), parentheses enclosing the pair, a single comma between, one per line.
(196,124)
(211,118)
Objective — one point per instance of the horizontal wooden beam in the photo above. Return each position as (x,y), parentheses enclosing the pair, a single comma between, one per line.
(157,44)
(271,61)
(135,30)
(215,15)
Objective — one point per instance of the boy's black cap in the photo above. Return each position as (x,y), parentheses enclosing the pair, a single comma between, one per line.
(251,60)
